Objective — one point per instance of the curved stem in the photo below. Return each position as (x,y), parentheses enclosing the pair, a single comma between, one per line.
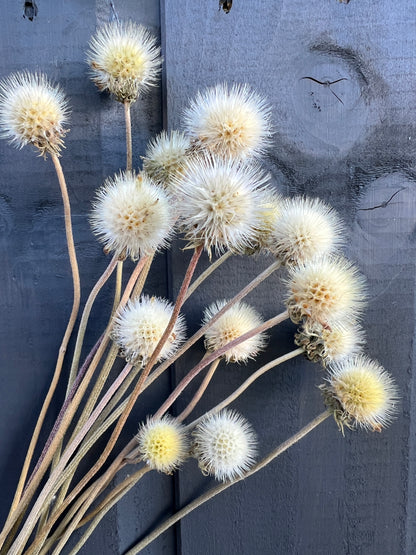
(219,352)
(67,335)
(192,404)
(211,268)
(127,117)
(247,383)
(222,487)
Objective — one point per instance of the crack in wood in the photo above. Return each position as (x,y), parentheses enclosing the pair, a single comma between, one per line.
(385,203)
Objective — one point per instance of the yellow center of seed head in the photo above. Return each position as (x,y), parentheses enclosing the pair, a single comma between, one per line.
(162,446)
(37,119)
(125,61)
(360,393)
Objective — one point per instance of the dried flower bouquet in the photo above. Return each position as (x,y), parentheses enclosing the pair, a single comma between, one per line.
(205,182)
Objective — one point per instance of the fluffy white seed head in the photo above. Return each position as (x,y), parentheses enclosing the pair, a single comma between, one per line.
(132,215)
(165,157)
(163,444)
(219,203)
(225,445)
(33,111)
(326,289)
(361,393)
(270,209)
(331,343)
(238,320)
(232,122)
(307,228)
(140,326)
(124,59)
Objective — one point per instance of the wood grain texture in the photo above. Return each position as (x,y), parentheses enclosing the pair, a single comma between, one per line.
(329,494)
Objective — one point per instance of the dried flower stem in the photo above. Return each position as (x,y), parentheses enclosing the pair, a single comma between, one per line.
(222,487)
(127,117)
(137,291)
(58,432)
(243,293)
(210,358)
(67,335)
(247,383)
(119,282)
(211,268)
(205,382)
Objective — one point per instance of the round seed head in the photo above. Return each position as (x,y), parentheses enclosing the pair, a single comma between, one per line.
(140,326)
(32,111)
(219,203)
(361,393)
(270,209)
(132,215)
(225,445)
(307,228)
(124,59)
(232,122)
(165,157)
(326,289)
(163,444)
(238,320)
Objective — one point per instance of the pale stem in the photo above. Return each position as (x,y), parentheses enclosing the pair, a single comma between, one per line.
(243,293)
(205,382)
(119,281)
(132,399)
(246,384)
(58,434)
(67,335)
(219,352)
(211,268)
(222,487)
(137,291)
(127,117)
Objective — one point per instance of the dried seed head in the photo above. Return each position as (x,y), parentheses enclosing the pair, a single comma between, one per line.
(140,326)
(361,393)
(32,111)
(238,320)
(307,228)
(331,343)
(124,60)
(219,203)
(323,290)
(133,215)
(163,444)
(234,123)
(165,157)
(225,445)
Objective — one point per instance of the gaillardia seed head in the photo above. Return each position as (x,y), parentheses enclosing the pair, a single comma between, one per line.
(225,445)
(219,203)
(307,228)
(234,123)
(163,444)
(124,59)
(326,289)
(239,319)
(140,326)
(131,215)
(32,111)
(165,157)
(361,393)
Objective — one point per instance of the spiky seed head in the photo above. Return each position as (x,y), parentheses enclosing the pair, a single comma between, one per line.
(270,209)
(307,228)
(231,122)
(132,215)
(325,289)
(165,157)
(333,342)
(225,445)
(361,393)
(140,326)
(219,203)
(236,321)
(163,444)
(125,60)
(33,111)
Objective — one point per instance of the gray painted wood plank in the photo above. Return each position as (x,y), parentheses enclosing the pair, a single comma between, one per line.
(329,494)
